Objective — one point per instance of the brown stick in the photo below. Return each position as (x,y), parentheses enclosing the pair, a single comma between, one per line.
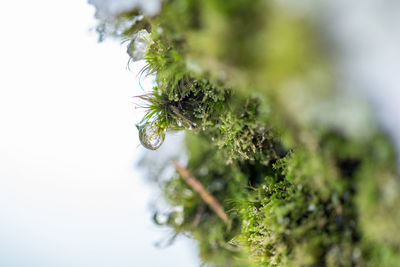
(204,194)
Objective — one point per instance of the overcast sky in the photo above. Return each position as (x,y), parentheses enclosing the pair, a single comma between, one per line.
(69,193)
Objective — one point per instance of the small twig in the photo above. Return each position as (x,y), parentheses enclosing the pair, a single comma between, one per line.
(204,194)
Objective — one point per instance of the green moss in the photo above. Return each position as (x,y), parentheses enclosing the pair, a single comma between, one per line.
(245,80)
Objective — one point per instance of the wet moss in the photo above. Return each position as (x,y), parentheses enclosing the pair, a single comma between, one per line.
(246,80)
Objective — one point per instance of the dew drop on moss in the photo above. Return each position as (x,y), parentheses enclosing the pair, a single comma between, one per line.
(138,46)
(150,136)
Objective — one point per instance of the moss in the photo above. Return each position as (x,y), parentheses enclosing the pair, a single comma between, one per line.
(245,81)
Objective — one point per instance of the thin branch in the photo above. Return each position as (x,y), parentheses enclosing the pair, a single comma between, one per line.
(204,194)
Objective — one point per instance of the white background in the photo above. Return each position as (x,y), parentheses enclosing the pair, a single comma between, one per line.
(69,193)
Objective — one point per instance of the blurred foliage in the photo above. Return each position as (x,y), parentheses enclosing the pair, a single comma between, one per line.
(246,80)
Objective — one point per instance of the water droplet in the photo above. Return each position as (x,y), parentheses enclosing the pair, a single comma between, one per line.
(150,136)
(312,207)
(138,46)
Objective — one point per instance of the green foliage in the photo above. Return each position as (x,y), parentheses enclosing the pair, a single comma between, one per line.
(246,80)
(290,223)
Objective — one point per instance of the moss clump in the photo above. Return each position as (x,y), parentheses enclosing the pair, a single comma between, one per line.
(252,85)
